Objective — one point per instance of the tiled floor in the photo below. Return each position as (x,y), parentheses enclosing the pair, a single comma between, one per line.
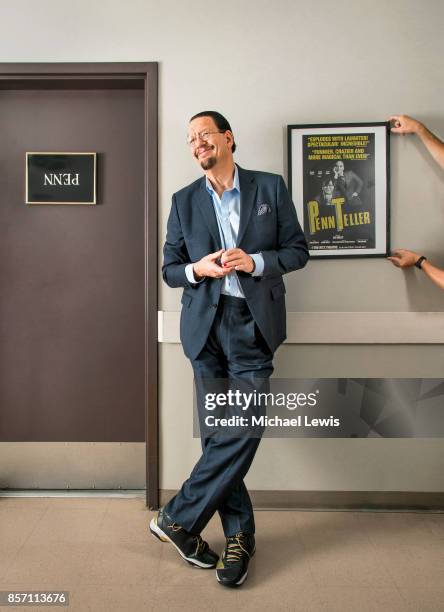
(100,551)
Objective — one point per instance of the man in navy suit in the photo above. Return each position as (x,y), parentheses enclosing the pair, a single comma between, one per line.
(231,236)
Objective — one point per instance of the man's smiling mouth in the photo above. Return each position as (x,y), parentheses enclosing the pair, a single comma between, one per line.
(204,152)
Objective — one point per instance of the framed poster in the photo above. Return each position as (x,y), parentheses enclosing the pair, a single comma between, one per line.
(339,181)
(61,178)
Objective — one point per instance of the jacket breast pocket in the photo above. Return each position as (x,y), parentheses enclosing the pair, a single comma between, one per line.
(186,300)
(278,291)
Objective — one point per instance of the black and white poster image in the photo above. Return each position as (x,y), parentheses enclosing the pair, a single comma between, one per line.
(338,179)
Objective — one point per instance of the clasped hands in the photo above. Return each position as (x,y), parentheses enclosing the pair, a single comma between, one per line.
(223,262)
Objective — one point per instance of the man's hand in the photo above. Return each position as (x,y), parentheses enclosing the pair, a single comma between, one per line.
(207,266)
(237,259)
(403,258)
(403,124)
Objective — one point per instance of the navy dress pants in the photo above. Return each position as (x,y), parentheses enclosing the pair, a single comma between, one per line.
(237,353)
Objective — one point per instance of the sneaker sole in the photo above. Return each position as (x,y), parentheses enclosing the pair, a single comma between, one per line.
(233,585)
(160,535)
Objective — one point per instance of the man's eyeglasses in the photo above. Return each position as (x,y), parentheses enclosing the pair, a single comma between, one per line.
(202,136)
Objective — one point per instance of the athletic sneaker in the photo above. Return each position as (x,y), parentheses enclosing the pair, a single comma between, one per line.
(232,568)
(190,547)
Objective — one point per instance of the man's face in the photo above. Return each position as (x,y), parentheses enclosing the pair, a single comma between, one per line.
(328,188)
(213,147)
(339,167)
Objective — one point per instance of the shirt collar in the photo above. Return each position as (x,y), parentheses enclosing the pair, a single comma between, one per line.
(209,186)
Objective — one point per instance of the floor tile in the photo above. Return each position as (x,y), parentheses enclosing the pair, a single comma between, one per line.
(126,563)
(101,550)
(118,526)
(435,523)
(59,525)
(364,599)
(423,600)
(45,564)
(113,598)
(396,527)
(289,597)
(415,566)
(209,598)
(347,563)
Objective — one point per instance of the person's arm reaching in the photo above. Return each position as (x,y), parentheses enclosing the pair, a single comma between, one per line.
(435,274)
(403,124)
(407,259)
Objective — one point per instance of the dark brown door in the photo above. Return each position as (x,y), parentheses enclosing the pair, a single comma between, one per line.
(72,278)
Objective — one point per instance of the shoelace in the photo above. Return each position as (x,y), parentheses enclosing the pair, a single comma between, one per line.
(174,527)
(234,548)
(201,546)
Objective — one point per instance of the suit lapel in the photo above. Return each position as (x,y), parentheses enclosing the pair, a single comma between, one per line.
(248,190)
(205,204)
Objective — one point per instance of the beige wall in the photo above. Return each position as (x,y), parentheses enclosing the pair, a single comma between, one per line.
(266,64)
(314,464)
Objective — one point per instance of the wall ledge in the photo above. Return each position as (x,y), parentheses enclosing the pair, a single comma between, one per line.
(341,327)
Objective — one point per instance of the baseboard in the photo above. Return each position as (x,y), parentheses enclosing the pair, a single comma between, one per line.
(339,500)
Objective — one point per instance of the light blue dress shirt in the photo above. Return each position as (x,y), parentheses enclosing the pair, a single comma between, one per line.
(227,209)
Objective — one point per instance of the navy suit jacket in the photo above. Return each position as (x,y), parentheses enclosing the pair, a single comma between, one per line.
(272,229)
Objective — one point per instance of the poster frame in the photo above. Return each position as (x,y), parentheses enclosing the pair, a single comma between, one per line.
(291,128)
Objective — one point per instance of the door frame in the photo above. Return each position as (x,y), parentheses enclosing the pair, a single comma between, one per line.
(120,75)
